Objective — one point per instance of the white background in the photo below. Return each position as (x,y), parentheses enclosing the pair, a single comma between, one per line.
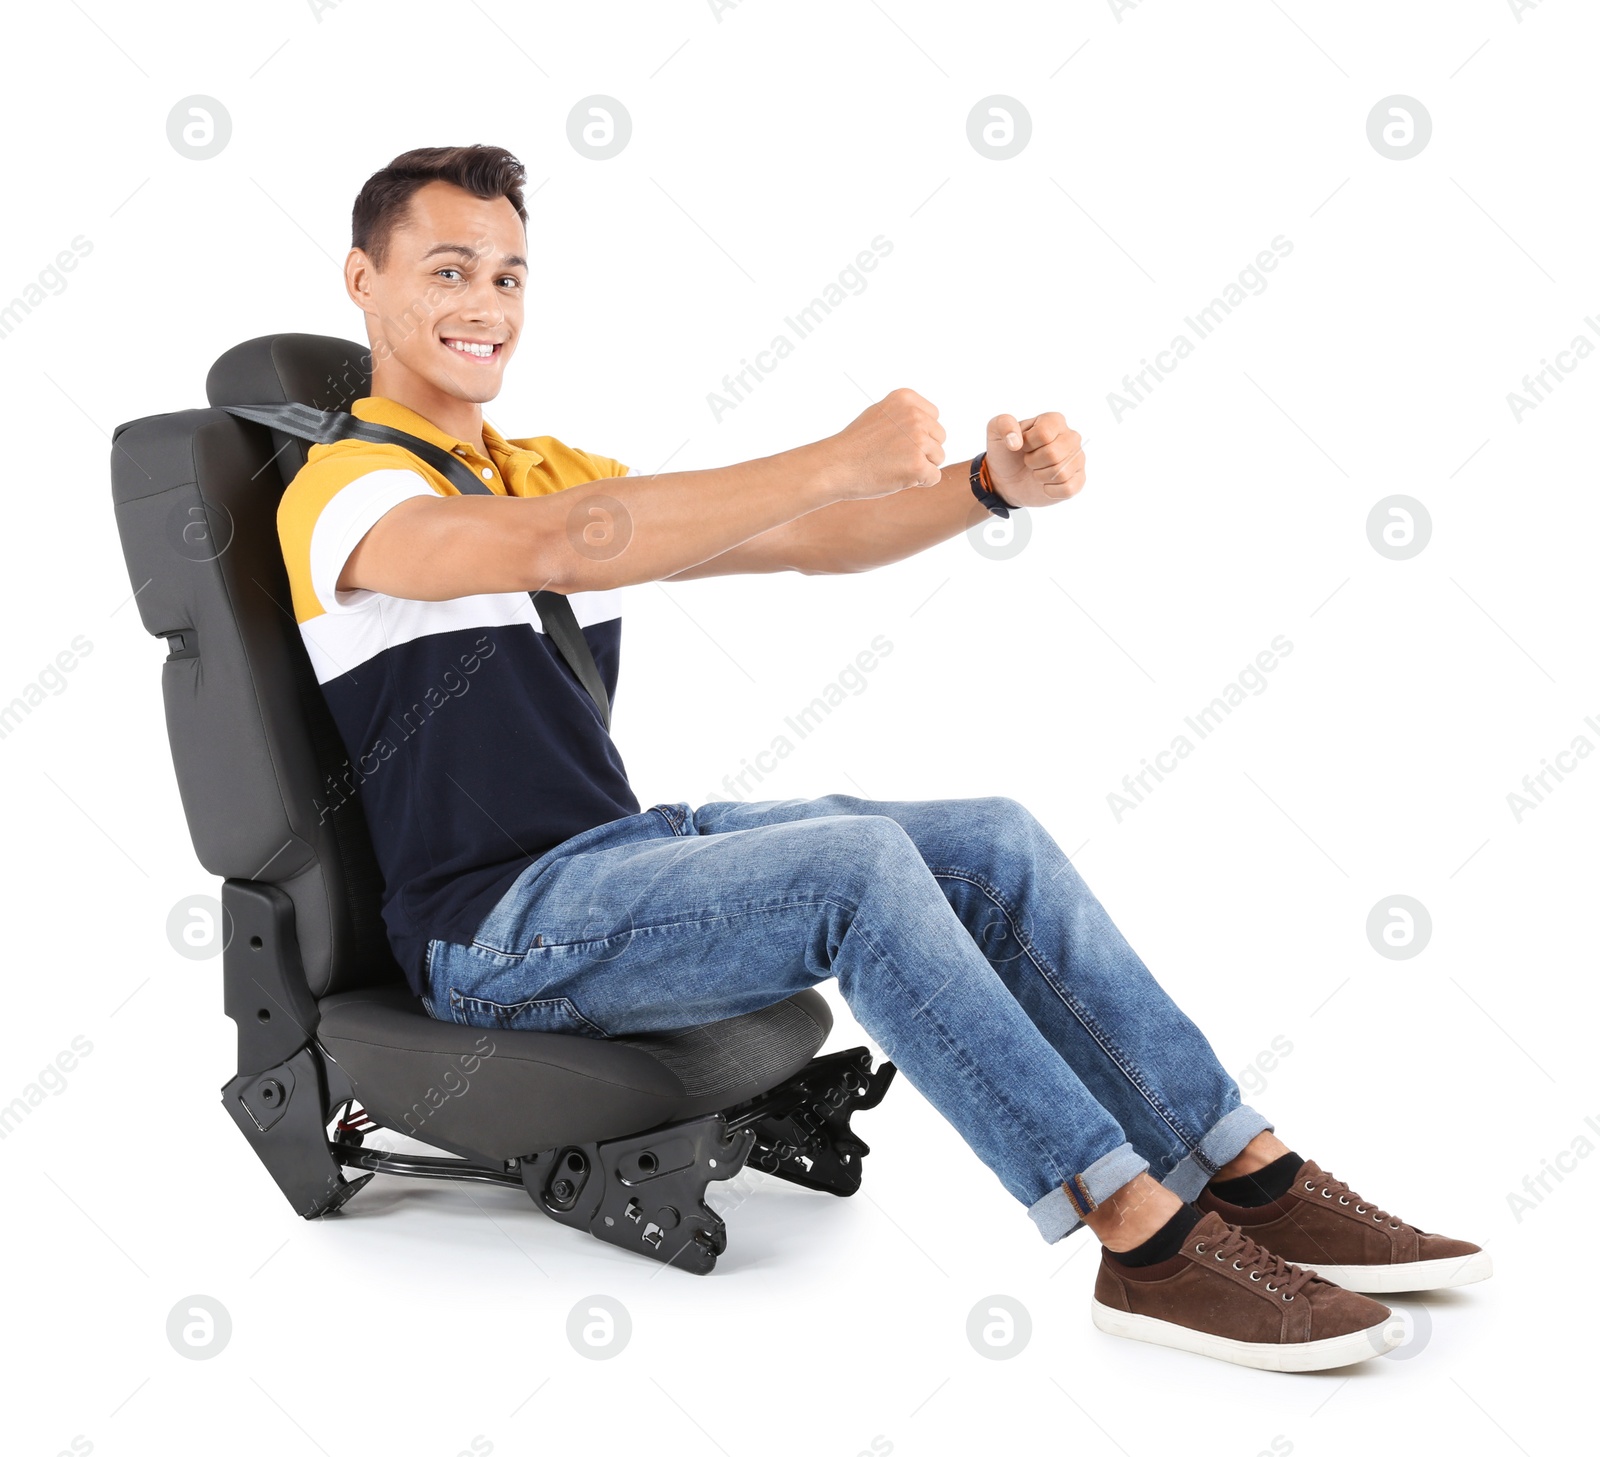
(1170,144)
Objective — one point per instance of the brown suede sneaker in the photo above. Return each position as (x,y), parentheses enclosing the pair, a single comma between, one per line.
(1223,1295)
(1323,1224)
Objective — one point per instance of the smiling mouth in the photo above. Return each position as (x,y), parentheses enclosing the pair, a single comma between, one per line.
(484,351)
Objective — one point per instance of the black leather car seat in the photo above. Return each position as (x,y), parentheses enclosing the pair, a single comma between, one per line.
(620,1136)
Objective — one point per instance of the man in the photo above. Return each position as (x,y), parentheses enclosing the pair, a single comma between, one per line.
(526,888)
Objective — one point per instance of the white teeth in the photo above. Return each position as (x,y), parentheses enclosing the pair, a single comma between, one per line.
(483,351)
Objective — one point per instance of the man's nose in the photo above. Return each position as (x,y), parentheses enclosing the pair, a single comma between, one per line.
(484,302)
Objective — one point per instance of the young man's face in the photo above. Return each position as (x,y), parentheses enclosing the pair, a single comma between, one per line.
(453,276)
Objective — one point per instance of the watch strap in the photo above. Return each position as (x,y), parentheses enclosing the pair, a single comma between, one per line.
(982,487)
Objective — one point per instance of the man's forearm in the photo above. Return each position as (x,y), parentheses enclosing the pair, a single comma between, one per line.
(668,523)
(1033,462)
(855,536)
(612,532)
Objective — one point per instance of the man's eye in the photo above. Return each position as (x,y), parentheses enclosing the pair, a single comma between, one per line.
(513,280)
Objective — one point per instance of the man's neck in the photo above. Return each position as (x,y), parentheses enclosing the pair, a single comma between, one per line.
(455,416)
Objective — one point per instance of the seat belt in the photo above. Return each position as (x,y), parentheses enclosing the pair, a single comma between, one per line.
(327,426)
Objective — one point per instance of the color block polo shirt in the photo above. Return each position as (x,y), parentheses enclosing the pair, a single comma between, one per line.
(472,744)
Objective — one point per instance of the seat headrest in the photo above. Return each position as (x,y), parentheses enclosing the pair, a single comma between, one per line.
(311,369)
(288,369)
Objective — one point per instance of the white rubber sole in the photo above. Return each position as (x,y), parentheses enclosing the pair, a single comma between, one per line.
(1323,1355)
(1418,1275)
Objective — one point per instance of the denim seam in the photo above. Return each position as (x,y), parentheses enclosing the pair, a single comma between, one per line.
(972,1071)
(1178,1175)
(777,905)
(1089,1023)
(458,998)
(671,823)
(456,994)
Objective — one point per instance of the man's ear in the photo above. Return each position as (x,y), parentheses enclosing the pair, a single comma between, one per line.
(358,271)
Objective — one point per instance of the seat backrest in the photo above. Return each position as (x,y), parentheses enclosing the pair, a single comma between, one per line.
(265,779)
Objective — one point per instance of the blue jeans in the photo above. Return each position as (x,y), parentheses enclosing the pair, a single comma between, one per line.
(962,939)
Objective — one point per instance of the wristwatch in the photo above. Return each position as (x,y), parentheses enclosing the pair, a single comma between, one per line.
(983,487)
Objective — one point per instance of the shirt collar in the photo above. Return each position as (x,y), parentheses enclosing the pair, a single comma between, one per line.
(512,462)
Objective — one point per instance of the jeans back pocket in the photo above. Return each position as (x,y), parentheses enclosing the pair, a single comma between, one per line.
(542,1014)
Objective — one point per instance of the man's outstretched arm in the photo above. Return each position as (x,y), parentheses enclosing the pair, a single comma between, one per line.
(1034,462)
(434,548)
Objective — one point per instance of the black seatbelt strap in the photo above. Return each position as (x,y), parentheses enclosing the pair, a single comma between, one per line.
(327,426)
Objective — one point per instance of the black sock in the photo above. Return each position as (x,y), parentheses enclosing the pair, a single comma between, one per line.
(1164,1243)
(1261,1187)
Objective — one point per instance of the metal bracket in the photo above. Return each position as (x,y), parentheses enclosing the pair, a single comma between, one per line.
(281,1113)
(802,1126)
(645,1193)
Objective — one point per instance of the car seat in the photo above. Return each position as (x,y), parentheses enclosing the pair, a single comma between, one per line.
(620,1136)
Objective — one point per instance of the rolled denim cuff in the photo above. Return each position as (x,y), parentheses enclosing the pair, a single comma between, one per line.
(1224,1143)
(1061,1210)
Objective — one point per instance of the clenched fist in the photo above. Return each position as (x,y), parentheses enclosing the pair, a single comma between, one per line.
(1035,462)
(890,446)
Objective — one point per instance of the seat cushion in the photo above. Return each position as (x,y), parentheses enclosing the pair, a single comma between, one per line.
(503,1095)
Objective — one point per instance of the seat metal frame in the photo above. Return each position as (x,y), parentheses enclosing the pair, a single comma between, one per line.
(644,1192)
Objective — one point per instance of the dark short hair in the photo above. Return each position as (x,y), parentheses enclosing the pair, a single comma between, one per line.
(384,199)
